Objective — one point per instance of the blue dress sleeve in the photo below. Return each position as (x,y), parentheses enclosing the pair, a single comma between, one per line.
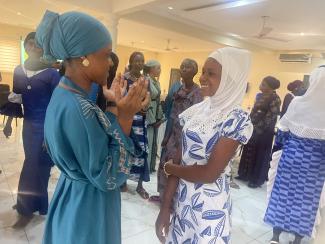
(134,140)
(55,79)
(238,126)
(99,145)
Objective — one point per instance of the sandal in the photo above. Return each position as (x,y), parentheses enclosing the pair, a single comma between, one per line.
(234,185)
(22,221)
(154,199)
(142,192)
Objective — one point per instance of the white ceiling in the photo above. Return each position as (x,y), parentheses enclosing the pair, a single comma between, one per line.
(155,39)
(300,22)
(29,13)
(148,24)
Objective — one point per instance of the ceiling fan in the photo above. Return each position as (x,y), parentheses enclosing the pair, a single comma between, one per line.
(168,48)
(266,30)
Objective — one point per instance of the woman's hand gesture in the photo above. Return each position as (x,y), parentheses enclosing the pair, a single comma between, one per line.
(117,89)
(136,99)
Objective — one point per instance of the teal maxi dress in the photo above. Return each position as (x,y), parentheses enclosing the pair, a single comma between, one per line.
(91,151)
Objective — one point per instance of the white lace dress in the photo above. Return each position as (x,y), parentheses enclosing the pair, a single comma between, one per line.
(202,211)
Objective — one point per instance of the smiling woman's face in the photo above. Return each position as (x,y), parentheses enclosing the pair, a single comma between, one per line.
(211,77)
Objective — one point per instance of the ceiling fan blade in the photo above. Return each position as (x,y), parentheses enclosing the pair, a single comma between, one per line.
(300,34)
(275,39)
(265,31)
(256,37)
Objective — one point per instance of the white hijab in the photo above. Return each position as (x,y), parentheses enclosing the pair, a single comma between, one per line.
(235,67)
(305,116)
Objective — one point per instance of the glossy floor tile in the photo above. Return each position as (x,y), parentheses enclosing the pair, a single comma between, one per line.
(138,215)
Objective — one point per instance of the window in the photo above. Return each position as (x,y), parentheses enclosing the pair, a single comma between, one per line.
(9,55)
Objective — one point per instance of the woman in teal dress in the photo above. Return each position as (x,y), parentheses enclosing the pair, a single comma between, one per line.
(91,148)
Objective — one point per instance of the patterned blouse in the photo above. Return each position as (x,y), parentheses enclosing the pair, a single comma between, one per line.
(265,112)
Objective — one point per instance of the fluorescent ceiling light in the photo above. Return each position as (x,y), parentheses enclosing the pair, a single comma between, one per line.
(233,35)
(243,3)
(223,5)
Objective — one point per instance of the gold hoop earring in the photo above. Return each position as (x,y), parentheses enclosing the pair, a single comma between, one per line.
(85,62)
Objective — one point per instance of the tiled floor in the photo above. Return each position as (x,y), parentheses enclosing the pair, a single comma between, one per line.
(138,216)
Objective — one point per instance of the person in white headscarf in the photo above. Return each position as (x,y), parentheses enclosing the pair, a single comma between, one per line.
(212,131)
(299,181)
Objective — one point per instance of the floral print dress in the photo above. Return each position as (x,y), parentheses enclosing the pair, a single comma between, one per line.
(202,213)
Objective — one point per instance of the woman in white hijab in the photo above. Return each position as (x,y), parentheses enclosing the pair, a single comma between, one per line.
(212,131)
(300,175)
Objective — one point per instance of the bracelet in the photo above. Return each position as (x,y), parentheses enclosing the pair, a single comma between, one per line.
(165,169)
(111,104)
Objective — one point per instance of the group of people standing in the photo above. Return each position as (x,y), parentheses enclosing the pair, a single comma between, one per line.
(100,129)
(292,140)
(294,198)
(34,83)
(266,112)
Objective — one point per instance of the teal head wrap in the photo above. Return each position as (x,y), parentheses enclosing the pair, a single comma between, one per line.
(70,35)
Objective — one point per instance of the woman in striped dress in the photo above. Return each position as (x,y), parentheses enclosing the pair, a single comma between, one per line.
(140,167)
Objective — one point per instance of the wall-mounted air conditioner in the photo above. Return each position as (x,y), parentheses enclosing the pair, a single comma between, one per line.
(295,57)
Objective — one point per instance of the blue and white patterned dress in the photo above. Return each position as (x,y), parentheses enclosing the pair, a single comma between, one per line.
(140,167)
(203,211)
(298,184)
